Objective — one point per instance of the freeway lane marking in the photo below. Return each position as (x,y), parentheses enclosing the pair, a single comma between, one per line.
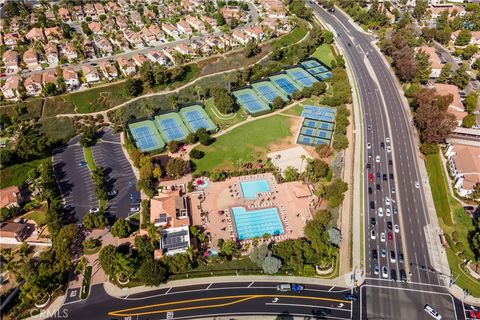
(240,298)
(306,306)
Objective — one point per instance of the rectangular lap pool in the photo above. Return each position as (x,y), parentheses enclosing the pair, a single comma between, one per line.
(250,189)
(256,223)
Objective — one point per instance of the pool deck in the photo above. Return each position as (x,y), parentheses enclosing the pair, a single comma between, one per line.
(293,207)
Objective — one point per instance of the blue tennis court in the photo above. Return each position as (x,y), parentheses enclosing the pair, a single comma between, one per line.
(286,85)
(310,64)
(303,78)
(267,92)
(324,76)
(196,120)
(144,138)
(171,128)
(250,102)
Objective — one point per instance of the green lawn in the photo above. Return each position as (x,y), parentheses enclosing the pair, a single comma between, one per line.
(324,54)
(464,280)
(16,174)
(226,120)
(296,35)
(247,143)
(87,152)
(37,216)
(100,98)
(87,277)
(439,188)
(296,110)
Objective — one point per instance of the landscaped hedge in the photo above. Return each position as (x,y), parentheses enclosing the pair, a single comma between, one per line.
(223,175)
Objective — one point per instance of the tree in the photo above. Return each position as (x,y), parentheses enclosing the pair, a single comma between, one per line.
(106,259)
(316,231)
(323,151)
(151,272)
(229,249)
(174,146)
(316,169)
(203,137)
(220,19)
(100,182)
(89,137)
(196,154)
(291,174)
(147,75)
(420,9)
(53,216)
(191,138)
(278,103)
(258,254)
(121,228)
(427,148)
(476,192)
(251,49)
(476,64)
(445,73)
(176,167)
(271,265)
(319,88)
(469,121)
(95,220)
(178,263)
(461,78)
(469,51)
(424,67)
(474,235)
(49,89)
(160,73)
(222,100)
(471,102)
(335,192)
(133,87)
(463,37)
(340,141)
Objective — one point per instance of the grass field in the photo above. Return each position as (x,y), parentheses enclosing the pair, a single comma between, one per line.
(247,143)
(17,174)
(57,128)
(464,280)
(37,216)
(439,189)
(87,152)
(99,99)
(324,54)
(226,120)
(296,35)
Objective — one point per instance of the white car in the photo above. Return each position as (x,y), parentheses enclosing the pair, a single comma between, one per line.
(382,236)
(94,210)
(380,212)
(384,272)
(369,145)
(396,228)
(387,212)
(377,159)
(387,201)
(389,149)
(417,185)
(432,312)
(387,140)
(373,235)
(375,269)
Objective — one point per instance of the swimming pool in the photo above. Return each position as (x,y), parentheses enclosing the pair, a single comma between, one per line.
(250,189)
(256,223)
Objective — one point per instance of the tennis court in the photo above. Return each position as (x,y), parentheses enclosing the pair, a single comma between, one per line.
(195,118)
(285,83)
(311,141)
(310,64)
(301,76)
(318,124)
(146,136)
(250,101)
(171,127)
(268,91)
(317,133)
(323,76)
(318,113)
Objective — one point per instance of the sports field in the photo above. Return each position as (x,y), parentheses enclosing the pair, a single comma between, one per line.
(146,136)
(245,143)
(302,77)
(285,83)
(268,91)
(195,118)
(171,127)
(250,101)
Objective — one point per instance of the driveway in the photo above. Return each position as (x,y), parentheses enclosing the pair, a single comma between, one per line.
(75,181)
(109,154)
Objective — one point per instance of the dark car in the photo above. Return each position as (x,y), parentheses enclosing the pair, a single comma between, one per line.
(369,165)
(374,254)
(372,205)
(391,176)
(403,275)
(382,145)
(393,275)
(384,177)
(390,162)
(349,44)
(370,190)
(389,225)
(378,187)
(395,210)
(322,312)
(400,257)
(373,221)
(378,175)
(350,297)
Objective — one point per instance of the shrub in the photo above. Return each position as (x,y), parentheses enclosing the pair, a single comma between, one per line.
(121,228)
(459,247)
(429,148)
(196,154)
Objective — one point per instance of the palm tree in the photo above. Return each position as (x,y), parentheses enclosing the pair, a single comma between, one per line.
(303,157)
(198,89)
(149,111)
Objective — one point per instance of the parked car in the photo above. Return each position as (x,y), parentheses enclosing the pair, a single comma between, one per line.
(294,287)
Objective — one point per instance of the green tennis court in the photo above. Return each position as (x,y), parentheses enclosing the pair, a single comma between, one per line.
(146,136)
(195,118)
(285,83)
(171,127)
(250,101)
(301,76)
(268,91)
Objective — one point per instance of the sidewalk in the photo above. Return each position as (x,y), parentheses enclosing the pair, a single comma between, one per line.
(342,281)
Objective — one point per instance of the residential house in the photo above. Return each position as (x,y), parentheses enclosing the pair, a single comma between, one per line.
(11,39)
(149,14)
(464,165)
(10,61)
(121,42)
(70,76)
(13,232)
(49,77)
(30,58)
(134,38)
(148,35)
(239,36)
(215,42)
(157,56)
(64,15)
(139,59)
(89,50)
(126,66)
(255,32)
(136,18)
(90,73)
(99,8)
(109,25)
(456,107)
(109,70)
(232,12)
(169,53)
(122,22)
(33,84)
(11,86)
(69,51)
(184,49)
(434,59)
(475,39)
(157,31)
(113,7)
(15,24)
(170,29)
(124,4)
(169,210)
(35,34)
(103,44)
(10,197)
(173,241)
(51,53)
(210,21)
(89,10)
(195,23)
(50,15)
(95,27)
(77,13)
(53,33)
(184,27)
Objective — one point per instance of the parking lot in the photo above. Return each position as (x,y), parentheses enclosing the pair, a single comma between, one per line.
(108,153)
(74,179)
